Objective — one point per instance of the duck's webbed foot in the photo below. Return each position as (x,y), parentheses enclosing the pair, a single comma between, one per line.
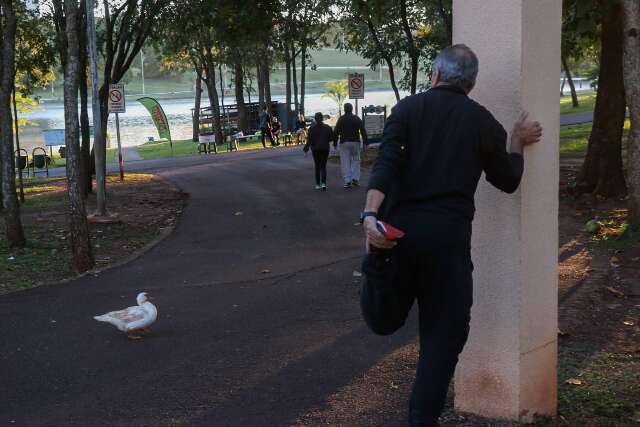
(134,335)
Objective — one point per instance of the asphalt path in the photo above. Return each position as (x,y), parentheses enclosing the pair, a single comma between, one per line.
(258,325)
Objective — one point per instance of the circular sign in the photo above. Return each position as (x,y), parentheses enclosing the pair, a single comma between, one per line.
(115,95)
(356,83)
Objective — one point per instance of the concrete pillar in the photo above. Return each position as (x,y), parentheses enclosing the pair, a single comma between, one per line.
(508,368)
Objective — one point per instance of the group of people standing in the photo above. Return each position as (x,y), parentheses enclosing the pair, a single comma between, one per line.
(349,133)
(269,128)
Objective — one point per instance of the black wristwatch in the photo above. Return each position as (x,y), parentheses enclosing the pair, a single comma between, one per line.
(365,214)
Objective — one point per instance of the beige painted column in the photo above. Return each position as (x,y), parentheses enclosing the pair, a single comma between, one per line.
(508,368)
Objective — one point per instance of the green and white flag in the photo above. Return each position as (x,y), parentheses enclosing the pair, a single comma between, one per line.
(158,116)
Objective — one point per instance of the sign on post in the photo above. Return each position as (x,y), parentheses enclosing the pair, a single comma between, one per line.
(356,86)
(374,117)
(116,98)
(117,105)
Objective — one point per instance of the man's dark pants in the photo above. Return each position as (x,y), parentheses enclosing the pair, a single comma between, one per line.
(432,265)
(266,132)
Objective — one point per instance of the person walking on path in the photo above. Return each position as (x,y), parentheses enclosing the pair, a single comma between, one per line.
(319,139)
(265,127)
(301,128)
(349,130)
(434,149)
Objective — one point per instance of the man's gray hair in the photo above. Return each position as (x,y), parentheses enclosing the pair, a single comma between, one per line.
(457,65)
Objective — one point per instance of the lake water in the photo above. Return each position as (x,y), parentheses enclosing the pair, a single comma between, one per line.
(136,124)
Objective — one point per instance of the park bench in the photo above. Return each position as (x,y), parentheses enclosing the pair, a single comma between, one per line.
(22,160)
(287,137)
(40,161)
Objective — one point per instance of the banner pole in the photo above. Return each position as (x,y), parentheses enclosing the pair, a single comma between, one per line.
(120,161)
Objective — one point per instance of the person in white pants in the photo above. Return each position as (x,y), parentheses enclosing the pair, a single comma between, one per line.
(350,133)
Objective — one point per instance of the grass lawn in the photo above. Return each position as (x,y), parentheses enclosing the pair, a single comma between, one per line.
(587,101)
(575,138)
(60,163)
(187,147)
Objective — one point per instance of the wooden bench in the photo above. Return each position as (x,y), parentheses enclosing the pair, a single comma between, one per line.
(287,137)
(234,143)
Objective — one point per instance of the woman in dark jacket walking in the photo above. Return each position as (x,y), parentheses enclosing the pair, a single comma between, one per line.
(319,139)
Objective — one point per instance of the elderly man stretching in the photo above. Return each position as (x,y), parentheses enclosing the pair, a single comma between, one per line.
(434,149)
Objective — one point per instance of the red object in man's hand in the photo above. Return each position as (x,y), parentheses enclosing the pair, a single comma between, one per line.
(389,231)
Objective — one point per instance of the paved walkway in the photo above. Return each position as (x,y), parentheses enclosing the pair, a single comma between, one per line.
(576,118)
(259,323)
(129,154)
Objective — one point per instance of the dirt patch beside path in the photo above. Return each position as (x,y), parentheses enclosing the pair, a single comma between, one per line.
(146,206)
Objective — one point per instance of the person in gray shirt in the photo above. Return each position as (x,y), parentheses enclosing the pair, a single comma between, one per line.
(349,130)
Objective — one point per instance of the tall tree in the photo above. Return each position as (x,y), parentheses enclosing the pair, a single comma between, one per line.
(601,172)
(127,24)
(400,34)
(85,130)
(79,230)
(13,224)
(631,45)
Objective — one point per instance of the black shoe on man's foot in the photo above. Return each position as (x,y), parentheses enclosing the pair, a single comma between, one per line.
(355,183)
(347,185)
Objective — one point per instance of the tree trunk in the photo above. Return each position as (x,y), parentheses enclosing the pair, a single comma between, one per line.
(287,61)
(210,81)
(17,131)
(260,76)
(242,110)
(294,77)
(631,46)
(392,78)
(567,73)
(225,116)
(601,172)
(78,227)
(267,84)
(412,50)
(86,177)
(303,76)
(196,108)
(13,224)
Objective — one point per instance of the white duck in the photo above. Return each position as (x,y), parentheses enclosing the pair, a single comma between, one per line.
(135,320)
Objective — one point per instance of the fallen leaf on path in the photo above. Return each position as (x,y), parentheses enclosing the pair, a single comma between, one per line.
(562,333)
(393,386)
(357,273)
(265,271)
(238,213)
(615,292)
(613,306)
(573,381)
(628,323)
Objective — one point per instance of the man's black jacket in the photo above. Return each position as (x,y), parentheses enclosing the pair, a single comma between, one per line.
(349,128)
(434,148)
